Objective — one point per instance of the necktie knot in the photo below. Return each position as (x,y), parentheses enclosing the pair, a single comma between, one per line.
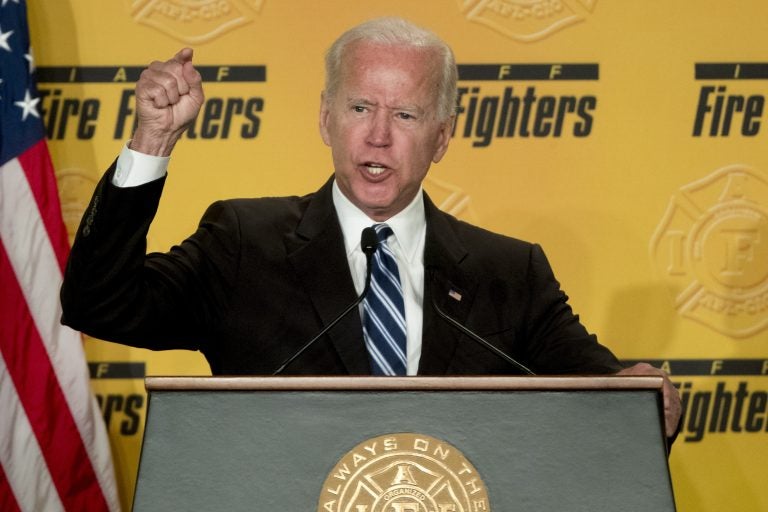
(383,232)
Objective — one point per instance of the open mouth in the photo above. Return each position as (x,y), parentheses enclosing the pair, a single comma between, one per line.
(374,169)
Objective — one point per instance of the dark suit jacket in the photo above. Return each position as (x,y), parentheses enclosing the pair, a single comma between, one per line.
(260,277)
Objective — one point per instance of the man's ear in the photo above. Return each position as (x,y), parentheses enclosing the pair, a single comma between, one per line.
(324,114)
(443,138)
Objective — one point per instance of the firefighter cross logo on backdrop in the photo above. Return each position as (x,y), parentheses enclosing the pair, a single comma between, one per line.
(712,249)
(527,20)
(195,21)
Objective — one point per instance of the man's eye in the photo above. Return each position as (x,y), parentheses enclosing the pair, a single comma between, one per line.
(359,108)
(405,115)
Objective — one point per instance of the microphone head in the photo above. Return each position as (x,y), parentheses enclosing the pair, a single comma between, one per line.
(369,241)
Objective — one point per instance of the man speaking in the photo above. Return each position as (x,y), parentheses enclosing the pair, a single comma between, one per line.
(274,283)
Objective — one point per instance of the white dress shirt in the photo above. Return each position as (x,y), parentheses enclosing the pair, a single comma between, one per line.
(133,168)
(409,229)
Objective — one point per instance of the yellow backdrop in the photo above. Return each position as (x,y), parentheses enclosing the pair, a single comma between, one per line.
(625,137)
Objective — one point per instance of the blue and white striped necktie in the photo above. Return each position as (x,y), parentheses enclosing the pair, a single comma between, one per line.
(384,311)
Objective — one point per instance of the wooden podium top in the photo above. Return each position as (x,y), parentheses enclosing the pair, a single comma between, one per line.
(366,383)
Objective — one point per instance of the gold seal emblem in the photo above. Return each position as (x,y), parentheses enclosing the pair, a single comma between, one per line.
(195,21)
(527,20)
(404,472)
(712,248)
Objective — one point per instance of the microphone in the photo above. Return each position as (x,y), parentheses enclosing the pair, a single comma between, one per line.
(369,241)
(475,337)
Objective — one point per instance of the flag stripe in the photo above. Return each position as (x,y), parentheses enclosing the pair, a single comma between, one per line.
(43,401)
(7,499)
(40,278)
(35,266)
(38,169)
(28,485)
(56,424)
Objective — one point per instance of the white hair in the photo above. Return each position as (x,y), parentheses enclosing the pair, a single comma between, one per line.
(396,32)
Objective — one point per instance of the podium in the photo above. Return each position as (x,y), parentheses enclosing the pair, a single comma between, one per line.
(411,444)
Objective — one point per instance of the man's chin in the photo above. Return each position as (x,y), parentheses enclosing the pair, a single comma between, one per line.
(375,199)
(378,210)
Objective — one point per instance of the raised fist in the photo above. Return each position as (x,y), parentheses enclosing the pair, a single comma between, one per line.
(169,96)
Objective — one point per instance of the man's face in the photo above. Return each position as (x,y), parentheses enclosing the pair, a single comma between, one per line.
(382,125)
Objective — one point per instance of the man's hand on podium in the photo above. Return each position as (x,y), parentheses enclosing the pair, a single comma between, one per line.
(672,405)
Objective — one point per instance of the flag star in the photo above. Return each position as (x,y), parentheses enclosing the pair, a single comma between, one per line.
(6,1)
(4,39)
(28,106)
(31,58)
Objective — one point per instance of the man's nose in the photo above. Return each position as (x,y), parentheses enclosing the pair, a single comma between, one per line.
(380,129)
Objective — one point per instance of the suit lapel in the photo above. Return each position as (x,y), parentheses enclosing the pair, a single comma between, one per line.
(317,253)
(449,286)
(318,238)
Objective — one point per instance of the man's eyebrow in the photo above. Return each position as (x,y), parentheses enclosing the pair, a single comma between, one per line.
(360,101)
(411,109)
(407,108)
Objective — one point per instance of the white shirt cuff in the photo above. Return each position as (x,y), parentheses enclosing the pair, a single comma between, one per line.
(134,168)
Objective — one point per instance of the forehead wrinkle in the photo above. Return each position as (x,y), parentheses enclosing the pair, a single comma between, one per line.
(354,71)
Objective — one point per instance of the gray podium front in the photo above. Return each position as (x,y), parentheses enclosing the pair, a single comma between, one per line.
(421,444)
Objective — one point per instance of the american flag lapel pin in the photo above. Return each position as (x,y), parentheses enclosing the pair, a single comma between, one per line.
(454,295)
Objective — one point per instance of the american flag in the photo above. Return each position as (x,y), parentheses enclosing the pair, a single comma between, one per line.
(54,449)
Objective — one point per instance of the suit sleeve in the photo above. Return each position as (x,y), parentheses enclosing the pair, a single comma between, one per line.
(114,291)
(557,341)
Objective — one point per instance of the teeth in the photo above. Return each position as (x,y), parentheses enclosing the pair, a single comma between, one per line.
(375,169)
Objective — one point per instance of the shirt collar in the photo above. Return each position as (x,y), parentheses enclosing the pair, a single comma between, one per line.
(409,226)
